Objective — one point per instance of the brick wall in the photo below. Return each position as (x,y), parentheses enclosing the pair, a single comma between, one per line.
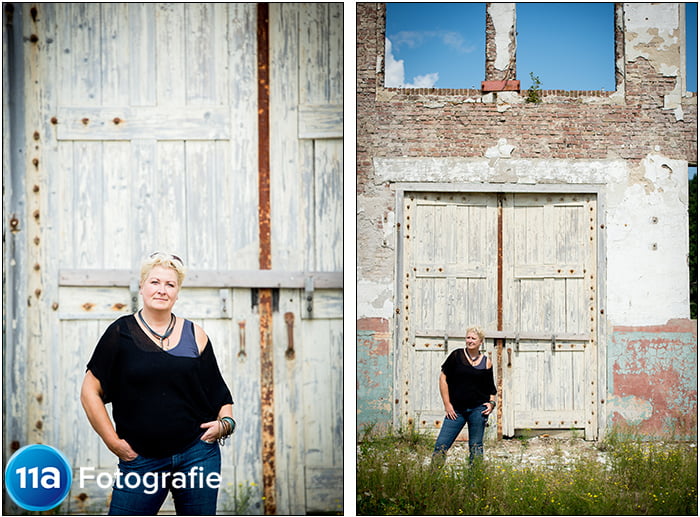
(570,125)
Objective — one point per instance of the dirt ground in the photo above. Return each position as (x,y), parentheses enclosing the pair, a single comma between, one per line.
(535,450)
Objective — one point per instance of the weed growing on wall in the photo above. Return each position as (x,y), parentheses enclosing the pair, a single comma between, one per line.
(534,93)
(634,477)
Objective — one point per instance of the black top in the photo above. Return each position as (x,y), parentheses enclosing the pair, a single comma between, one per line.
(159,400)
(468,387)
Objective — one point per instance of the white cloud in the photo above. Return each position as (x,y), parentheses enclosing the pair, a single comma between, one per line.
(394,74)
(450,39)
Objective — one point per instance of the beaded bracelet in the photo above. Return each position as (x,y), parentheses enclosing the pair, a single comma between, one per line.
(226,427)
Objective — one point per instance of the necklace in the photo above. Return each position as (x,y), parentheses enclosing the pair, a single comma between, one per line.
(470,357)
(168,331)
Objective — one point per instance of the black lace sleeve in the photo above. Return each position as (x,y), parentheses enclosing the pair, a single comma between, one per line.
(211,379)
(103,361)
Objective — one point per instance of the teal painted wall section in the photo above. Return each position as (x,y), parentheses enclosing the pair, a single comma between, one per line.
(374,373)
(652,379)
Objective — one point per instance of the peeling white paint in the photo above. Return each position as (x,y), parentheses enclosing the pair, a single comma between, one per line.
(633,409)
(503,16)
(646,254)
(374,299)
(480,170)
(501,150)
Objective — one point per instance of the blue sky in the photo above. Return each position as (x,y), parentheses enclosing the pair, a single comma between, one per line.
(442,45)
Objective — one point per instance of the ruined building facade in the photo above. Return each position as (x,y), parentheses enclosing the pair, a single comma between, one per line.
(560,227)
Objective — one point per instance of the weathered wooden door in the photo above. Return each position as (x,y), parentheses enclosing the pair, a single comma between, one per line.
(541,336)
(549,284)
(139,124)
(449,282)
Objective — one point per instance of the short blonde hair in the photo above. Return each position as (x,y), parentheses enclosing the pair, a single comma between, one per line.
(477,330)
(166,260)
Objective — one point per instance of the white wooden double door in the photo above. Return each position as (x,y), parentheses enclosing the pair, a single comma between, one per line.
(146,139)
(545,313)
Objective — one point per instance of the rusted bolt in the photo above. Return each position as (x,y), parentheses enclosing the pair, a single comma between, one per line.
(37,240)
(40,398)
(35,188)
(54,120)
(37,292)
(39,424)
(36,214)
(54,306)
(87,306)
(14,445)
(36,135)
(118,306)
(117,121)
(81,496)
(85,121)
(14,224)
(33,11)
(35,162)
(37,267)
(33,38)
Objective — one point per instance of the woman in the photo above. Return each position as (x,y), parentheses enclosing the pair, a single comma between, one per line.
(170,404)
(469,395)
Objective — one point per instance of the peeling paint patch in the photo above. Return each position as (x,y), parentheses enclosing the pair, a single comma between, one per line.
(633,410)
(652,378)
(374,390)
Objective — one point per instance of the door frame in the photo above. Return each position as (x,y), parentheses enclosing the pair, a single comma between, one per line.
(401,189)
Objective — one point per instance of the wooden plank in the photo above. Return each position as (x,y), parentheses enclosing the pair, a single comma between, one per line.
(117,236)
(151,122)
(170,180)
(320,121)
(171,72)
(87,213)
(239,183)
(291,175)
(83,80)
(195,278)
(114,37)
(328,202)
(327,304)
(324,489)
(143,54)
(201,187)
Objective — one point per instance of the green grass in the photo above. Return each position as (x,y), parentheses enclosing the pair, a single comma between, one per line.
(637,477)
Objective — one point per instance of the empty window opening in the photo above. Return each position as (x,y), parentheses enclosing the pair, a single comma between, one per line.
(435,45)
(443,45)
(566,46)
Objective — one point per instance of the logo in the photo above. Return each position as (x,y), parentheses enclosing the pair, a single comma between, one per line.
(38,477)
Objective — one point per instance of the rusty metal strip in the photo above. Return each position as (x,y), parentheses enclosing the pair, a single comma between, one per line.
(267,394)
(500,341)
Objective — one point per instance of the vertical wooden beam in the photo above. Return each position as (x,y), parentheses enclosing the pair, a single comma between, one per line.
(267,394)
(500,342)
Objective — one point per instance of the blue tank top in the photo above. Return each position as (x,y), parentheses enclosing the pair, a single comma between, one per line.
(187,346)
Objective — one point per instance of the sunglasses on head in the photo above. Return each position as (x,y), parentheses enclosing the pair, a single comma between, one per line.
(172,257)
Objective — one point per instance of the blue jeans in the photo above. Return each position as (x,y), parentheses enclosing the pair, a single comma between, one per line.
(475,421)
(193,477)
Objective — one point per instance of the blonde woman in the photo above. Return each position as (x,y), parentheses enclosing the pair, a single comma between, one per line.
(170,404)
(469,395)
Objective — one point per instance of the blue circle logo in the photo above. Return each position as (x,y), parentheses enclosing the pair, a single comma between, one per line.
(38,477)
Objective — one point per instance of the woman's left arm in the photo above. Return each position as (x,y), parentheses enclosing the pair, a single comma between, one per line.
(214,429)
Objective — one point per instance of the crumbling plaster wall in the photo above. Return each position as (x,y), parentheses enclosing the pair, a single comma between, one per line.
(633,144)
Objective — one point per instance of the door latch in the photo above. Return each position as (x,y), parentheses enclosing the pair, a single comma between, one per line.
(289,320)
